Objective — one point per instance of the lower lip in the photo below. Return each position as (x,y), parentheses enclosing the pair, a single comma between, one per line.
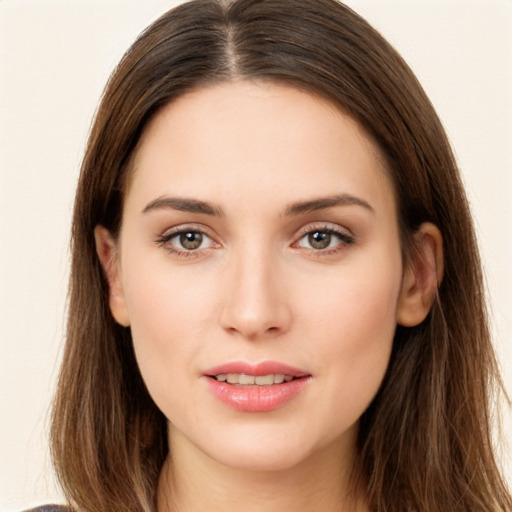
(257,398)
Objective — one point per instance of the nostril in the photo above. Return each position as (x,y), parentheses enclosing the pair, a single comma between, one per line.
(253,310)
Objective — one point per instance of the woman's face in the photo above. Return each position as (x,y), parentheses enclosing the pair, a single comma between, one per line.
(259,239)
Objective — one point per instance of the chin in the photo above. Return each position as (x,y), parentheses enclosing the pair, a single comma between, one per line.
(253,458)
(267,448)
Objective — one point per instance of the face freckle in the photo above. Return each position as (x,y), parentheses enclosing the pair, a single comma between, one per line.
(260,230)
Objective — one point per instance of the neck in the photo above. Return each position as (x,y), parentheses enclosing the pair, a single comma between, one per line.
(191,481)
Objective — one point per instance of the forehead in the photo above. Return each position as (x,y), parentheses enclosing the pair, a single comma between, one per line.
(245,139)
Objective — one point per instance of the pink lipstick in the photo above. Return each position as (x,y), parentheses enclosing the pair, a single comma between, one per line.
(259,387)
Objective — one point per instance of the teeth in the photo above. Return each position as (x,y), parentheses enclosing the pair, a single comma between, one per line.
(247,379)
(279,378)
(266,380)
(250,380)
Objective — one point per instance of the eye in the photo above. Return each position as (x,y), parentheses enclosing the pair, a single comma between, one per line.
(324,239)
(185,242)
(320,239)
(189,240)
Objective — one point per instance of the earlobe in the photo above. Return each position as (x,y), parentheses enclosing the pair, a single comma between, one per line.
(422,276)
(106,248)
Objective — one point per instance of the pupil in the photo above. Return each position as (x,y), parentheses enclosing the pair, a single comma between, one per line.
(319,240)
(191,240)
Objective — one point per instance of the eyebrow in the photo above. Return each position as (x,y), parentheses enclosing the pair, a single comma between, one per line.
(297,208)
(184,205)
(323,203)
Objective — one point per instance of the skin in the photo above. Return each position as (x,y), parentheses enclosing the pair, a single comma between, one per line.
(256,289)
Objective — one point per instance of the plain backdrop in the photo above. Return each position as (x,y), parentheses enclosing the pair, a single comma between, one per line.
(55,57)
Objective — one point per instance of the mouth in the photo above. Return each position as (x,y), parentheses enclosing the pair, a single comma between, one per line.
(259,387)
(267,373)
(243,379)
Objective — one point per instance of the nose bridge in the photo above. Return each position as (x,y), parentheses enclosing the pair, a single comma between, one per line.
(256,302)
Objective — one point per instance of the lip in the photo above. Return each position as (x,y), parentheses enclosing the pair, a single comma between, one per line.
(256,398)
(263,368)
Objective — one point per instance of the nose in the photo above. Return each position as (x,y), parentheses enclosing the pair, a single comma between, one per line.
(256,305)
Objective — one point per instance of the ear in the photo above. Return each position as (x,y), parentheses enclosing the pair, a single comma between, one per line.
(106,248)
(422,276)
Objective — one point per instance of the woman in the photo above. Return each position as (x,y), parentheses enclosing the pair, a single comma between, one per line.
(276,296)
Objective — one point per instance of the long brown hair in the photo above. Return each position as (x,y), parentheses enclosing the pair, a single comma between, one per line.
(425,441)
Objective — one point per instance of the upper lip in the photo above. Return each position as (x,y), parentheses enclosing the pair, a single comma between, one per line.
(257,369)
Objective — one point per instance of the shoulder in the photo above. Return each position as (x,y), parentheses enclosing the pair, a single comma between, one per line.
(50,508)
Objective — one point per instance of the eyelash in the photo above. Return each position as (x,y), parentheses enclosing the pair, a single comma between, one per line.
(165,241)
(344,240)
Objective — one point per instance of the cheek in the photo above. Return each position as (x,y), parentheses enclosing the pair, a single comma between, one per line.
(169,315)
(164,299)
(353,325)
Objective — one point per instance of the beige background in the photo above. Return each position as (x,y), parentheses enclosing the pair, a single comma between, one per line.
(55,57)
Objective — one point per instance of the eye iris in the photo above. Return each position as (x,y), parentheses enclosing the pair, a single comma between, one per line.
(319,239)
(191,240)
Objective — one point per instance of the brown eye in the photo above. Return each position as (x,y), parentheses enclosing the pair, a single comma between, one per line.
(186,242)
(325,240)
(191,240)
(319,239)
